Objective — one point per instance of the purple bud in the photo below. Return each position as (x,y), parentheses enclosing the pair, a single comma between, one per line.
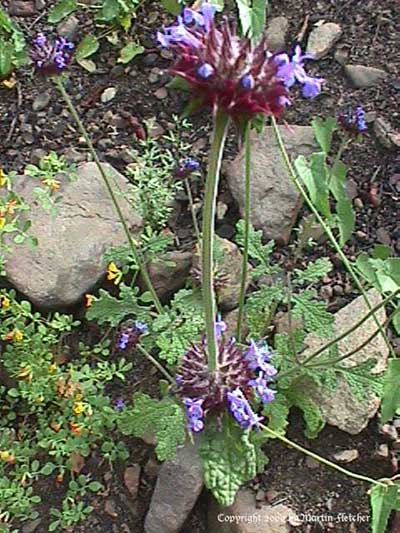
(119,404)
(205,71)
(141,327)
(220,327)
(242,411)
(247,82)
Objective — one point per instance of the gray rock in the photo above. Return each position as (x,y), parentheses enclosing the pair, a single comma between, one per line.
(340,407)
(68,260)
(276,33)
(244,517)
(41,101)
(387,136)
(178,486)
(22,8)
(31,525)
(68,28)
(274,199)
(166,278)
(73,156)
(322,39)
(362,76)
(37,155)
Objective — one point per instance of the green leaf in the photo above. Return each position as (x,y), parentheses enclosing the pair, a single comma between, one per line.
(6,56)
(95,486)
(87,47)
(314,177)
(383,501)
(345,219)
(229,459)
(164,418)
(314,271)
(323,131)
(252,16)
(130,51)
(277,413)
(178,84)
(172,6)
(48,469)
(391,391)
(313,312)
(109,309)
(61,10)
(110,10)
(311,413)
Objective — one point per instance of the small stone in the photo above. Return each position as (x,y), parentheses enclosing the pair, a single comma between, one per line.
(132,479)
(383,236)
(389,431)
(41,101)
(341,54)
(152,468)
(271,495)
(149,59)
(323,38)
(110,508)
(108,94)
(361,236)
(362,76)
(222,208)
(346,456)
(31,526)
(276,33)
(382,452)
(117,71)
(166,54)
(37,155)
(358,203)
(166,278)
(338,290)
(68,28)
(73,156)
(178,486)
(155,130)
(161,93)
(22,8)
(311,463)
(386,135)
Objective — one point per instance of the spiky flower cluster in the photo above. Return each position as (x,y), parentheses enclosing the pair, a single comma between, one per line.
(242,376)
(51,58)
(227,71)
(129,336)
(186,167)
(353,120)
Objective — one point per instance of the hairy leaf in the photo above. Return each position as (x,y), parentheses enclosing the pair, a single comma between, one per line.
(383,501)
(314,271)
(277,413)
(311,412)
(61,10)
(229,457)
(108,309)
(165,418)
(361,381)
(313,312)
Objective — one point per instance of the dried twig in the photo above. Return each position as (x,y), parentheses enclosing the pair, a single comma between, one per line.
(15,119)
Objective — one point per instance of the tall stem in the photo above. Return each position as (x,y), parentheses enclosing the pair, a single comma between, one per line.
(327,230)
(85,135)
(247,206)
(221,122)
(321,459)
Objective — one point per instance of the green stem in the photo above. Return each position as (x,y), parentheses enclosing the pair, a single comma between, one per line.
(327,229)
(247,206)
(158,365)
(221,122)
(84,133)
(192,211)
(343,335)
(321,459)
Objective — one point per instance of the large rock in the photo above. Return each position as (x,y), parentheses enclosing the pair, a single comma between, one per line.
(323,38)
(170,273)
(275,201)
(340,407)
(244,517)
(178,486)
(276,32)
(68,260)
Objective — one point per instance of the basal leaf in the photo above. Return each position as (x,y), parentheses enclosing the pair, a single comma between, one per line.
(383,501)
(345,220)
(323,131)
(252,16)
(129,52)
(61,10)
(108,309)
(391,391)
(87,47)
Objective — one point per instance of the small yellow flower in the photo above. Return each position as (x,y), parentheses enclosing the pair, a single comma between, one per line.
(52,368)
(25,373)
(114,273)
(2,222)
(78,397)
(2,178)
(10,207)
(4,455)
(10,83)
(18,335)
(39,399)
(89,300)
(52,184)
(78,408)
(4,302)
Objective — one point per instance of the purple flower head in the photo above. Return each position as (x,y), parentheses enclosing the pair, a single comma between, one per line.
(220,327)
(258,356)
(194,413)
(242,411)
(291,70)
(123,340)
(353,121)
(186,167)
(205,71)
(141,327)
(261,387)
(119,404)
(51,58)
(130,336)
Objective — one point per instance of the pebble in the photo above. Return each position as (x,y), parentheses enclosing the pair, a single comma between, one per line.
(323,38)
(389,431)
(41,101)
(155,130)
(108,94)
(36,155)
(362,236)
(312,463)
(31,526)
(358,203)
(110,509)
(386,135)
(362,76)
(132,479)
(271,495)
(276,33)
(149,59)
(68,28)
(72,155)
(382,452)
(22,8)
(161,93)
(346,456)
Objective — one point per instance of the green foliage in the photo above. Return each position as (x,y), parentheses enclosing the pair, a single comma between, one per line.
(314,271)
(277,413)
(229,457)
(325,183)
(360,379)
(61,10)
(315,317)
(383,501)
(311,413)
(252,17)
(258,251)
(179,326)
(163,418)
(12,46)
(112,310)
(391,391)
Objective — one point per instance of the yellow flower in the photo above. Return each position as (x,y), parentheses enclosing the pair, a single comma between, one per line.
(25,373)
(4,455)
(89,300)
(2,222)
(2,177)
(78,408)
(52,368)
(4,301)
(114,273)
(39,399)
(18,335)
(10,207)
